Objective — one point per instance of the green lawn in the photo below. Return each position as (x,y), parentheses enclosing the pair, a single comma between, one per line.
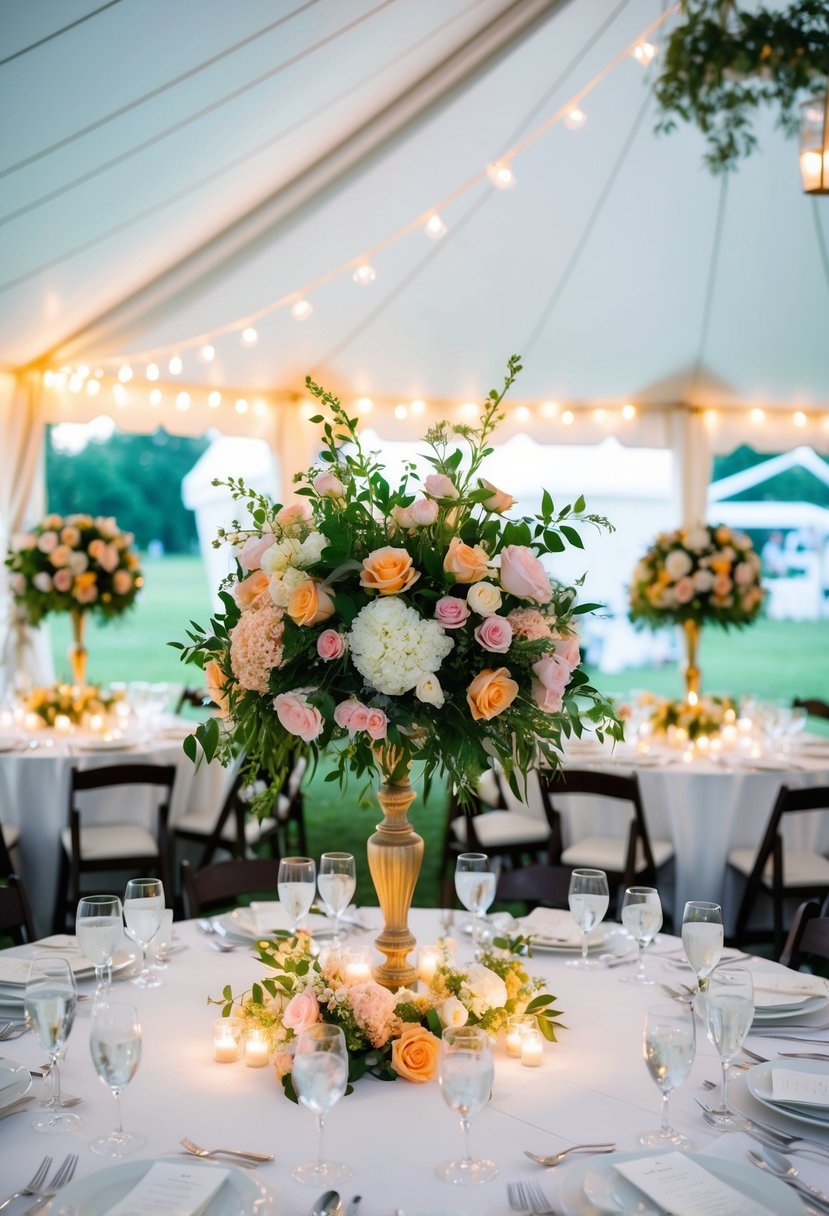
(773,659)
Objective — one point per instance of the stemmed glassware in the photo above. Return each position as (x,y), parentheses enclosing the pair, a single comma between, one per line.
(702,938)
(475,887)
(466,1072)
(320,1076)
(337,881)
(115,1045)
(50,1001)
(588,898)
(143,909)
(99,927)
(669,1044)
(296,883)
(729,1012)
(642,917)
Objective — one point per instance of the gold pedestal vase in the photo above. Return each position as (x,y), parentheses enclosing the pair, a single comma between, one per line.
(395,855)
(78,653)
(691,671)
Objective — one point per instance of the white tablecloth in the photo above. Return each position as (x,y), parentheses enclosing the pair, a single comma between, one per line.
(593,1085)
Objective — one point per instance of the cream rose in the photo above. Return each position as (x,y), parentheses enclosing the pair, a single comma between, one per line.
(484,598)
(452,1012)
(490,693)
(389,571)
(414,1055)
(429,691)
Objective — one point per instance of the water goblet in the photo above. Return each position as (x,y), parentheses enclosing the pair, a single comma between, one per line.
(143,909)
(475,887)
(50,1000)
(115,1046)
(161,943)
(320,1076)
(669,1044)
(642,917)
(465,1072)
(729,1012)
(337,881)
(99,927)
(702,938)
(588,898)
(296,883)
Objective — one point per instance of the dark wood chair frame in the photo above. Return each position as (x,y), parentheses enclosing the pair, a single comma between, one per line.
(813,706)
(808,935)
(196,698)
(6,863)
(223,882)
(15,912)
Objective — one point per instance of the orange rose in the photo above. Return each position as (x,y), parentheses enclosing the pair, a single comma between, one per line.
(468,563)
(310,603)
(491,692)
(415,1054)
(247,591)
(215,679)
(388,571)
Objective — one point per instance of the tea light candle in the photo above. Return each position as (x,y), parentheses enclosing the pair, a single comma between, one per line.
(257,1051)
(32,721)
(227,1040)
(428,960)
(63,723)
(532,1048)
(96,722)
(357,966)
(518,1026)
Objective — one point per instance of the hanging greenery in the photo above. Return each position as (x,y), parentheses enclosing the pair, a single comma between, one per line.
(721,63)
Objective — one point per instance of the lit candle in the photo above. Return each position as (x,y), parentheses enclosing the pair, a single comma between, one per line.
(257,1051)
(729,734)
(428,960)
(63,723)
(357,966)
(227,1040)
(519,1025)
(532,1048)
(96,722)
(32,721)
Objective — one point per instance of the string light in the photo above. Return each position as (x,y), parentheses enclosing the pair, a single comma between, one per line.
(93,387)
(152,371)
(628,411)
(241,406)
(83,371)
(550,409)
(364,274)
(522,413)
(125,373)
(75,383)
(155,396)
(575,119)
(207,353)
(401,411)
(644,53)
(307,410)
(214,399)
(364,405)
(249,336)
(175,365)
(260,409)
(435,228)
(183,401)
(711,419)
(568,418)
(757,416)
(500,174)
(599,415)
(469,409)
(799,418)
(120,395)
(417,407)
(302,310)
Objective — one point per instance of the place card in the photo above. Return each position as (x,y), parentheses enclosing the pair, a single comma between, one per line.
(684,1188)
(801,1088)
(15,971)
(170,1189)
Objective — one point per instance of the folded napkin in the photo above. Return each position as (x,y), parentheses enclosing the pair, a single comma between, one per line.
(801,1087)
(773,989)
(554,926)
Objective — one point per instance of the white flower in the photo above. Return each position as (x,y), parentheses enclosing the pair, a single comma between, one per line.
(429,691)
(311,549)
(392,646)
(678,564)
(486,989)
(282,554)
(484,598)
(452,1012)
(42,581)
(78,562)
(281,586)
(697,539)
(703,580)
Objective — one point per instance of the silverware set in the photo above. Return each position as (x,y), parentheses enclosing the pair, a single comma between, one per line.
(39,1189)
(248,1159)
(528,1197)
(12,1030)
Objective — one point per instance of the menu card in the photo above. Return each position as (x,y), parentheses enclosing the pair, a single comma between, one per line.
(684,1188)
(170,1189)
(802,1088)
(778,987)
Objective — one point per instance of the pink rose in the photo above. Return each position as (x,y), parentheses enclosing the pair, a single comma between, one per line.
(108,558)
(495,634)
(250,555)
(423,512)
(328,485)
(248,591)
(402,516)
(63,580)
(553,676)
(121,582)
(722,585)
(47,541)
(297,716)
(567,649)
(283,1063)
(358,719)
(523,575)
(376,724)
(345,712)
(330,645)
(440,486)
(498,500)
(18,583)
(296,513)
(684,590)
(450,612)
(301,1011)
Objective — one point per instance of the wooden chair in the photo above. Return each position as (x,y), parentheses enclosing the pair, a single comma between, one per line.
(9,838)
(814,707)
(542,886)
(767,871)
(193,698)
(115,845)
(221,884)
(808,938)
(15,913)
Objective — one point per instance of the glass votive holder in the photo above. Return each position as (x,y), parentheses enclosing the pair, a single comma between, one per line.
(429,959)
(162,941)
(257,1048)
(518,1025)
(227,1040)
(532,1048)
(358,966)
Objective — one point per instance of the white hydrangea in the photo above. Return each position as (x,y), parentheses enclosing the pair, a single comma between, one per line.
(392,646)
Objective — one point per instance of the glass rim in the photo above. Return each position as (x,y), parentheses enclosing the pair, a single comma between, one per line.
(588,872)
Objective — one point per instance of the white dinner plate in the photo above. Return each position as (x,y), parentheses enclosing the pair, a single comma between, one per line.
(103,745)
(555,929)
(14,970)
(239,1195)
(774,1015)
(759,1085)
(15,1081)
(770,1192)
(9,743)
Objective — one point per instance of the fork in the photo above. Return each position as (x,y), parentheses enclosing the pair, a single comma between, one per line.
(32,1187)
(773,1136)
(61,1176)
(529,1197)
(12,1030)
(198,1151)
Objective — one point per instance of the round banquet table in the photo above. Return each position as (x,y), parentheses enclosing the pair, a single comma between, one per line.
(34,795)
(592,1086)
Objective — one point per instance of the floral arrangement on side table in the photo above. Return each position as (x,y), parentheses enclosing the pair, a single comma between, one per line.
(70,702)
(705,717)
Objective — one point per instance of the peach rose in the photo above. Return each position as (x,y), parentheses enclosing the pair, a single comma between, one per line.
(47,541)
(440,486)
(297,716)
(293,515)
(415,1054)
(310,603)
(468,563)
(215,679)
(330,645)
(63,580)
(567,649)
(301,1011)
(498,500)
(491,692)
(283,1063)
(523,575)
(248,591)
(494,634)
(684,590)
(328,485)
(250,555)
(450,612)
(402,516)
(121,581)
(60,555)
(389,571)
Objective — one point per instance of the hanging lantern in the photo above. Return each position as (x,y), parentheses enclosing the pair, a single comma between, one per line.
(814,145)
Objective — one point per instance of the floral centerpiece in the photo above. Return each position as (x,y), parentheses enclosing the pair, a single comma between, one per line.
(74,564)
(71,702)
(394,625)
(388,1034)
(707,716)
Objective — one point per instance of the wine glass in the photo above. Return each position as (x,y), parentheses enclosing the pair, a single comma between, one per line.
(320,1075)
(642,917)
(162,942)
(50,1001)
(115,1046)
(337,881)
(702,938)
(99,927)
(143,908)
(729,1012)
(475,885)
(465,1073)
(296,883)
(669,1044)
(588,898)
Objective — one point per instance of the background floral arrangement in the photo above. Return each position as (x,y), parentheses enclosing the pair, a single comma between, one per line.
(75,563)
(69,701)
(413,623)
(702,574)
(388,1034)
(707,717)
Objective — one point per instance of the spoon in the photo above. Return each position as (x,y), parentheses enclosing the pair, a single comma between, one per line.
(328,1204)
(556,1158)
(779,1165)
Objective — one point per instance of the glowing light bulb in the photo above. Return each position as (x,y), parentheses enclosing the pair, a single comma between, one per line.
(435,228)
(628,411)
(83,371)
(48,378)
(214,399)
(364,274)
(175,365)
(401,411)
(249,336)
(469,409)
(152,371)
(799,418)
(93,387)
(302,310)
(644,53)
(125,373)
(711,419)
(575,119)
(500,174)
(522,413)
(307,410)
(155,396)
(183,402)
(549,409)
(241,406)
(568,418)
(75,383)
(417,407)
(364,405)
(599,416)
(120,395)
(260,408)
(757,416)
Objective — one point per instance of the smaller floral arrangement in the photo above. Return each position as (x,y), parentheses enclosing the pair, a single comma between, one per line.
(709,573)
(707,717)
(70,701)
(388,1034)
(73,564)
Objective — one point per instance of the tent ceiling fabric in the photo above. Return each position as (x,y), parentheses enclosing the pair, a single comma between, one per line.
(441,317)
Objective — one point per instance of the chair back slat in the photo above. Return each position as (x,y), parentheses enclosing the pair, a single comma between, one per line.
(15,913)
(225,881)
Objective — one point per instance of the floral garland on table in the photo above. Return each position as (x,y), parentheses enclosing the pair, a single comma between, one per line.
(69,701)
(387,1034)
(704,574)
(417,622)
(73,564)
(707,717)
